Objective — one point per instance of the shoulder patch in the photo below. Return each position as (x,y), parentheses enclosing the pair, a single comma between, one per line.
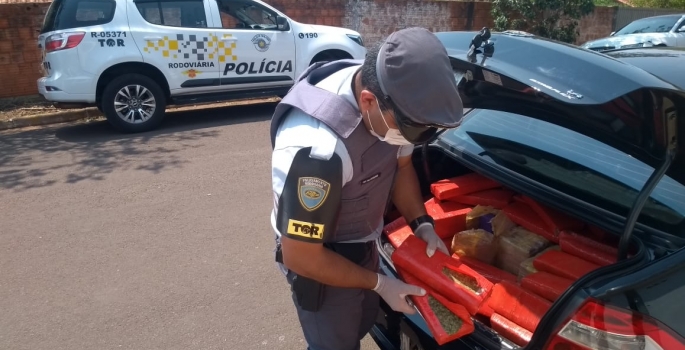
(313,192)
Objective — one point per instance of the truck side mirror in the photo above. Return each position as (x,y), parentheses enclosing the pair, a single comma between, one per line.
(612,33)
(282,23)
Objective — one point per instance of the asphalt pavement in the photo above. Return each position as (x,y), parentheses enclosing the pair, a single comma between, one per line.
(148,241)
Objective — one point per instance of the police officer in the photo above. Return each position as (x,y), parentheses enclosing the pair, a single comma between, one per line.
(342,142)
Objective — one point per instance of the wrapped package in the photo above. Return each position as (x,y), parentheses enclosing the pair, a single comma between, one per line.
(516,246)
(446,275)
(563,264)
(447,321)
(501,224)
(523,215)
(587,248)
(473,218)
(450,217)
(518,305)
(478,244)
(510,330)
(397,231)
(497,198)
(546,285)
(555,220)
(527,267)
(447,189)
(488,271)
(485,310)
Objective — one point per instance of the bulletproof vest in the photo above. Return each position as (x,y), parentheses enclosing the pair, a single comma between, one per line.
(366,196)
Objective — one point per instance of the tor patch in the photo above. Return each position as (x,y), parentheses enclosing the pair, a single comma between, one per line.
(312,192)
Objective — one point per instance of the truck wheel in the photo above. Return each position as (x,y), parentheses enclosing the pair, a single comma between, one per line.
(133,103)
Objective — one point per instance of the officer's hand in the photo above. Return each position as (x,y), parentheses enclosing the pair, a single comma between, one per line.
(427,233)
(394,292)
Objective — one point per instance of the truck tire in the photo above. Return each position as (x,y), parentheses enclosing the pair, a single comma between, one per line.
(133,103)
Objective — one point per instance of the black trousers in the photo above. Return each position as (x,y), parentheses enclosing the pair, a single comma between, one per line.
(347,314)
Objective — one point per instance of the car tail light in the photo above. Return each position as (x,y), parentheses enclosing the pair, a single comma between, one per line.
(602,327)
(63,41)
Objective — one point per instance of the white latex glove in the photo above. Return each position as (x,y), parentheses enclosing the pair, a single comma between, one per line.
(395,293)
(426,232)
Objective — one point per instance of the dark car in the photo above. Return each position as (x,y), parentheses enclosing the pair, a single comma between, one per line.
(595,136)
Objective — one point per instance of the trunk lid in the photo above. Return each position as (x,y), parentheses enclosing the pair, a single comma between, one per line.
(601,97)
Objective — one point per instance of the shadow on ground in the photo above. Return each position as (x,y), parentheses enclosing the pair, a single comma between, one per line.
(89,151)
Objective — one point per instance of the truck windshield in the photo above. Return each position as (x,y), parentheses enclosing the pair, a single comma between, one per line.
(571,163)
(67,14)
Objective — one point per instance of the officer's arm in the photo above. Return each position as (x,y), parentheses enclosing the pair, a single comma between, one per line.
(406,195)
(307,216)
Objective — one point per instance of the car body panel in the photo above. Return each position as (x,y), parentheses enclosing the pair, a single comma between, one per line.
(584,91)
(231,60)
(644,32)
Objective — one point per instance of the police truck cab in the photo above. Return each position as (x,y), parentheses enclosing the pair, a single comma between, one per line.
(133,58)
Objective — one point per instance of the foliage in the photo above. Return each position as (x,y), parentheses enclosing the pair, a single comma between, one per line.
(554,19)
(670,4)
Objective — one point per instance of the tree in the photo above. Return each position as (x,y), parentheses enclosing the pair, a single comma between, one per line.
(553,19)
(670,4)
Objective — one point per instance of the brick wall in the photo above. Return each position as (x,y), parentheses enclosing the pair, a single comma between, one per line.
(19,56)
(596,25)
(374,19)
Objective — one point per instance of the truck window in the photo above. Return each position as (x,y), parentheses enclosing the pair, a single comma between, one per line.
(245,15)
(68,14)
(185,13)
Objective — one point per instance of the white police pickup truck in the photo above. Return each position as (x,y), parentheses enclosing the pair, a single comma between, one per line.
(132,58)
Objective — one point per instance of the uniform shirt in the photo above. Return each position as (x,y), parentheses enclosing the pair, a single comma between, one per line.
(299,130)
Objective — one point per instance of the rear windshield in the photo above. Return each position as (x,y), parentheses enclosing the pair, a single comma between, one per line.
(67,14)
(571,163)
(650,25)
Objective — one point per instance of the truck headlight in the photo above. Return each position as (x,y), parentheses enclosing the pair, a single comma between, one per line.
(356,38)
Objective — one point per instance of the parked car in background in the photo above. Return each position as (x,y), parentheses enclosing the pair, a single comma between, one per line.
(664,30)
(133,58)
(592,137)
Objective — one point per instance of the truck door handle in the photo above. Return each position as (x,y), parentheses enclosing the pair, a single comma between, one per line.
(230,39)
(151,38)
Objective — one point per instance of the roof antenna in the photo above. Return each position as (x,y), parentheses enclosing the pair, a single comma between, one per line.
(482,39)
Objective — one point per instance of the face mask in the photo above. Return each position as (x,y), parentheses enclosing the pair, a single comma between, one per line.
(393,136)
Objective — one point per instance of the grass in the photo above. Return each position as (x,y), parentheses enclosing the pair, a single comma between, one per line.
(609,3)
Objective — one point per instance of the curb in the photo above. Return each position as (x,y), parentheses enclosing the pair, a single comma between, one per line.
(93,112)
(50,118)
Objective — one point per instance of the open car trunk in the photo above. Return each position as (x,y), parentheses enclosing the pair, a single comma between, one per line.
(511,257)
(518,268)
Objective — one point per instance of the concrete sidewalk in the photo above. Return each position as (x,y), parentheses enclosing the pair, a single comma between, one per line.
(68,115)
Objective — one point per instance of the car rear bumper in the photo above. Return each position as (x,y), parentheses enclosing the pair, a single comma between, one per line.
(53,90)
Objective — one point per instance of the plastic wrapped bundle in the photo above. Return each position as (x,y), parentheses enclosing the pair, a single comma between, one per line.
(587,248)
(448,276)
(516,246)
(397,231)
(477,244)
(480,217)
(563,264)
(518,305)
(555,220)
(501,224)
(523,215)
(449,217)
(546,285)
(510,330)
(447,321)
(497,198)
(526,267)
(460,185)
(488,271)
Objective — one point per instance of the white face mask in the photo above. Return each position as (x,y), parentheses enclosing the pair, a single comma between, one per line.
(393,136)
